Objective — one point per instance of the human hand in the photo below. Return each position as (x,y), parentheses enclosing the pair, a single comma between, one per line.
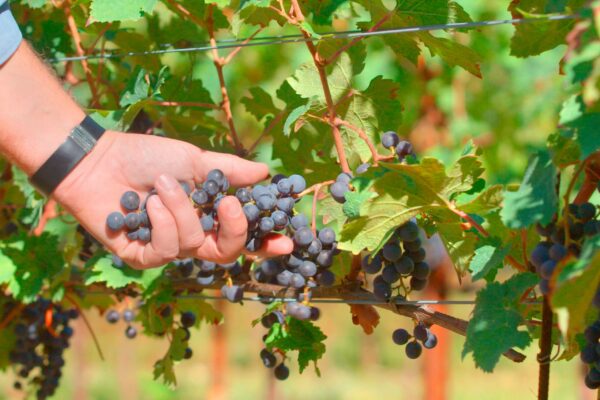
(122,162)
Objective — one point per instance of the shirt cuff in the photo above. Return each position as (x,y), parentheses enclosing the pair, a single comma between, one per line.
(10,35)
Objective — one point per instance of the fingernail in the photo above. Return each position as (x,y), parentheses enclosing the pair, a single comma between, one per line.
(156,201)
(167,182)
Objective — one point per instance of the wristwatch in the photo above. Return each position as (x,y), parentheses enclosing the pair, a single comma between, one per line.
(79,143)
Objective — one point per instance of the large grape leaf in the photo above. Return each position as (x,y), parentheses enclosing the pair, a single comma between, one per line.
(536,200)
(494,327)
(118,10)
(101,269)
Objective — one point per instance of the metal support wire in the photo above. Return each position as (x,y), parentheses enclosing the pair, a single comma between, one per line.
(267,41)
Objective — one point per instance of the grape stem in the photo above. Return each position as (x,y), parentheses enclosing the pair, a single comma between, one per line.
(87,324)
(11,315)
(183,104)
(543,356)
(314,187)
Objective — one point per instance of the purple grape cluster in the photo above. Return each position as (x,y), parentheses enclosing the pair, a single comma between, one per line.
(422,337)
(40,344)
(402,257)
(402,148)
(207,272)
(128,316)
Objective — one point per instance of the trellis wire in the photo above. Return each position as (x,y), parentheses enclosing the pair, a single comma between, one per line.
(264,41)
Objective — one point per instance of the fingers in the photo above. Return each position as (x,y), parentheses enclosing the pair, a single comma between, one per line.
(239,171)
(275,245)
(164,245)
(190,233)
(228,243)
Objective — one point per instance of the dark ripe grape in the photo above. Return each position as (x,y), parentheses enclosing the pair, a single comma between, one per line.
(545,286)
(421,270)
(280,219)
(285,204)
(187,319)
(302,312)
(243,195)
(303,237)
(587,211)
(200,197)
(132,235)
(130,332)
(413,350)
(185,267)
(281,372)
(415,245)
(400,336)
(115,221)
(594,374)
(233,293)
(431,341)
(216,175)
(389,139)
(276,178)
(372,266)
(417,284)
(389,274)
(17,386)
(299,221)
(405,265)
(205,280)
(112,316)
(268,358)
(327,236)
(128,315)
(298,183)
(144,219)
(266,224)
(391,252)
(326,278)
(268,320)
(211,187)
(314,248)
(259,190)
(559,235)
(344,177)
(545,231)
(297,281)
(308,269)
(420,332)
(362,168)
(252,212)
(132,221)
(381,289)
(284,278)
(315,314)
(229,266)
(591,228)
(205,266)
(574,210)
(338,191)
(130,201)
(266,202)
(294,261)
(576,230)
(589,383)
(284,186)
(273,189)
(547,269)
(253,245)
(271,267)
(592,332)
(188,353)
(325,258)
(540,254)
(404,149)
(144,234)
(408,232)
(417,256)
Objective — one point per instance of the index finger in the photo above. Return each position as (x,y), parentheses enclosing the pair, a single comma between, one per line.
(239,172)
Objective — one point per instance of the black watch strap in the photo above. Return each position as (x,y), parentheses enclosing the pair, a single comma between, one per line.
(79,143)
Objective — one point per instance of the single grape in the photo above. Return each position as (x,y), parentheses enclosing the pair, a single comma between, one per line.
(270,267)
(420,332)
(431,341)
(588,354)
(417,256)
(303,237)
(276,178)
(280,219)
(233,293)
(389,274)
(254,244)
(130,332)
(315,313)
(112,316)
(144,234)
(362,168)
(200,197)
(266,224)
(547,269)
(400,336)
(243,195)
(404,149)
(298,183)
(417,284)
(128,315)
(415,245)
(216,175)
(413,350)
(284,186)
(211,187)
(421,270)
(338,191)
(115,221)
(268,320)
(372,266)
(344,177)
(587,211)
(540,254)
(381,289)
(266,202)
(325,258)
(297,281)
(405,265)
(285,204)
(268,358)
(252,212)
(308,269)
(391,252)
(284,278)
(326,278)
(188,353)
(130,200)
(327,236)
(390,139)
(132,235)
(299,221)
(144,219)
(132,221)
(590,384)
(557,252)
(408,232)
(314,248)
(205,280)
(281,372)
(187,319)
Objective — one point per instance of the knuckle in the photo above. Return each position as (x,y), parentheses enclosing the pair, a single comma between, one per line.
(193,241)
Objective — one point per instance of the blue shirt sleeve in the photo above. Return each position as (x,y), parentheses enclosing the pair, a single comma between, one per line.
(10,35)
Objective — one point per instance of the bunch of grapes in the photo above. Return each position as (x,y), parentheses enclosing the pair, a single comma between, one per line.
(420,334)
(42,335)
(402,148)
(582,223)
(400,259)
(135,221)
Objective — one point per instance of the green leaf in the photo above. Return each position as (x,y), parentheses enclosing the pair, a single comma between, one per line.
(260,104)
(575,289)
(488,200)
(565,151)
(117,10)
(354,201)
(164,368)
(293,116)
(34,202)
(536,199)
(494,327)
(101,269)
(488,259)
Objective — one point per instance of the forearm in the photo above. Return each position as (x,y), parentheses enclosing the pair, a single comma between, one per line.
(36,114)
